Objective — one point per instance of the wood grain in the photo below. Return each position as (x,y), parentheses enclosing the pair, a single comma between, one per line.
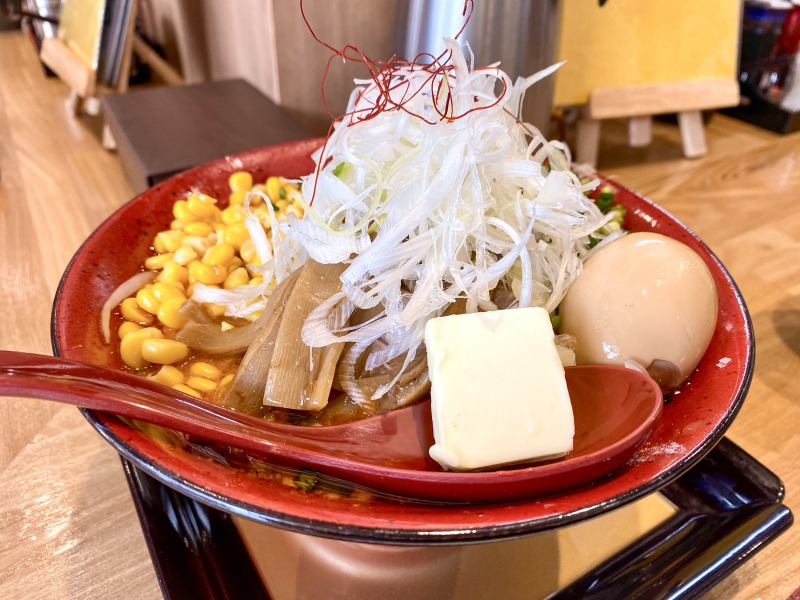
(742,200)
(67,525)
(68,528)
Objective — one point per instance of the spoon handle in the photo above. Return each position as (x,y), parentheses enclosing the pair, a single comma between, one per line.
(61,380)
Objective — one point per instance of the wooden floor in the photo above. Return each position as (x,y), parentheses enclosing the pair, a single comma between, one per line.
(57,476)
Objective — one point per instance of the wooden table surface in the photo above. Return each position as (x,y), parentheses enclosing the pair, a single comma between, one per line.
(67,524)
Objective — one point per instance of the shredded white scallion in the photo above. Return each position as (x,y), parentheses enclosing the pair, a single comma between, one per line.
(127,288)
(427,210)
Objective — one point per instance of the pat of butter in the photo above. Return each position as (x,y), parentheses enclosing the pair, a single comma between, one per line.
(498,392)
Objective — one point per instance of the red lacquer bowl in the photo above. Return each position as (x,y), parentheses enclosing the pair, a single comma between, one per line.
(692,422)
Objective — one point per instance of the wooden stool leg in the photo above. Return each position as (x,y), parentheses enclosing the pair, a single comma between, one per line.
(109,143)
(75,104)
(587,139)
(640,131)
(91,106)
(692,134)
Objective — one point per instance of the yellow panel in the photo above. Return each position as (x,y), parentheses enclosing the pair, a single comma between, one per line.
(631,42)
(80,27)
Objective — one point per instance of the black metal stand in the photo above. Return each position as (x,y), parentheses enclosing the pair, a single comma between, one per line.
(729,507)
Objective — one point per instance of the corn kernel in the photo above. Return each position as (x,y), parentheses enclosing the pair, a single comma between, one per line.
(181,211)
(282,204)
(238,197)
(126,328)
(274,185)
(198,244)
(157,262)
(163,292)
(168,241)
(174,271)
(182,387)
(163,351)
(175,286)
(207,274)
(232,214)
(199,229)
(248,252)
(225,380)
(237,277)
(206,370)
(202,205)
(168,375)
(254,316)
(215,310)
(184,255)
(147,300)
(131,311)
(240,180)
(221,254)
(235,263)
(169,314)
(258,280)
(176,225)
(263,216)
(130,348)
(201,384)
(236,234)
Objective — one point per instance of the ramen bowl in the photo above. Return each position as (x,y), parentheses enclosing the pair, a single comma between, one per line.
(693,419)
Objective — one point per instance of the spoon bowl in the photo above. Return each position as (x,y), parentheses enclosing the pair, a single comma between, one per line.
(615,410)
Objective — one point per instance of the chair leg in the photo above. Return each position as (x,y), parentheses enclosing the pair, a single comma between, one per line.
(109,143)
(640,131)
(587,139)
(692,133)
(75,104)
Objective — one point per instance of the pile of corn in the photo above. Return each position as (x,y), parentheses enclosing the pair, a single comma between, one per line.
(205,244)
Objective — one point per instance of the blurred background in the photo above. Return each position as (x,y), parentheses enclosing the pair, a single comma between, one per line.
(711,56)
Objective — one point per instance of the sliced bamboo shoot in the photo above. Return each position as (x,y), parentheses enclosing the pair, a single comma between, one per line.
(300,377)
(247,388)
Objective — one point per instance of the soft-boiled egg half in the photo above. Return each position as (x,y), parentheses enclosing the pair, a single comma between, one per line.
(645,298)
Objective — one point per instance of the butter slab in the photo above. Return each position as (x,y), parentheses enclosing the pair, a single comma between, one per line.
(498,391)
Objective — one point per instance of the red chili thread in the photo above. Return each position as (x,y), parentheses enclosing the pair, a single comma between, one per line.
(383,76)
